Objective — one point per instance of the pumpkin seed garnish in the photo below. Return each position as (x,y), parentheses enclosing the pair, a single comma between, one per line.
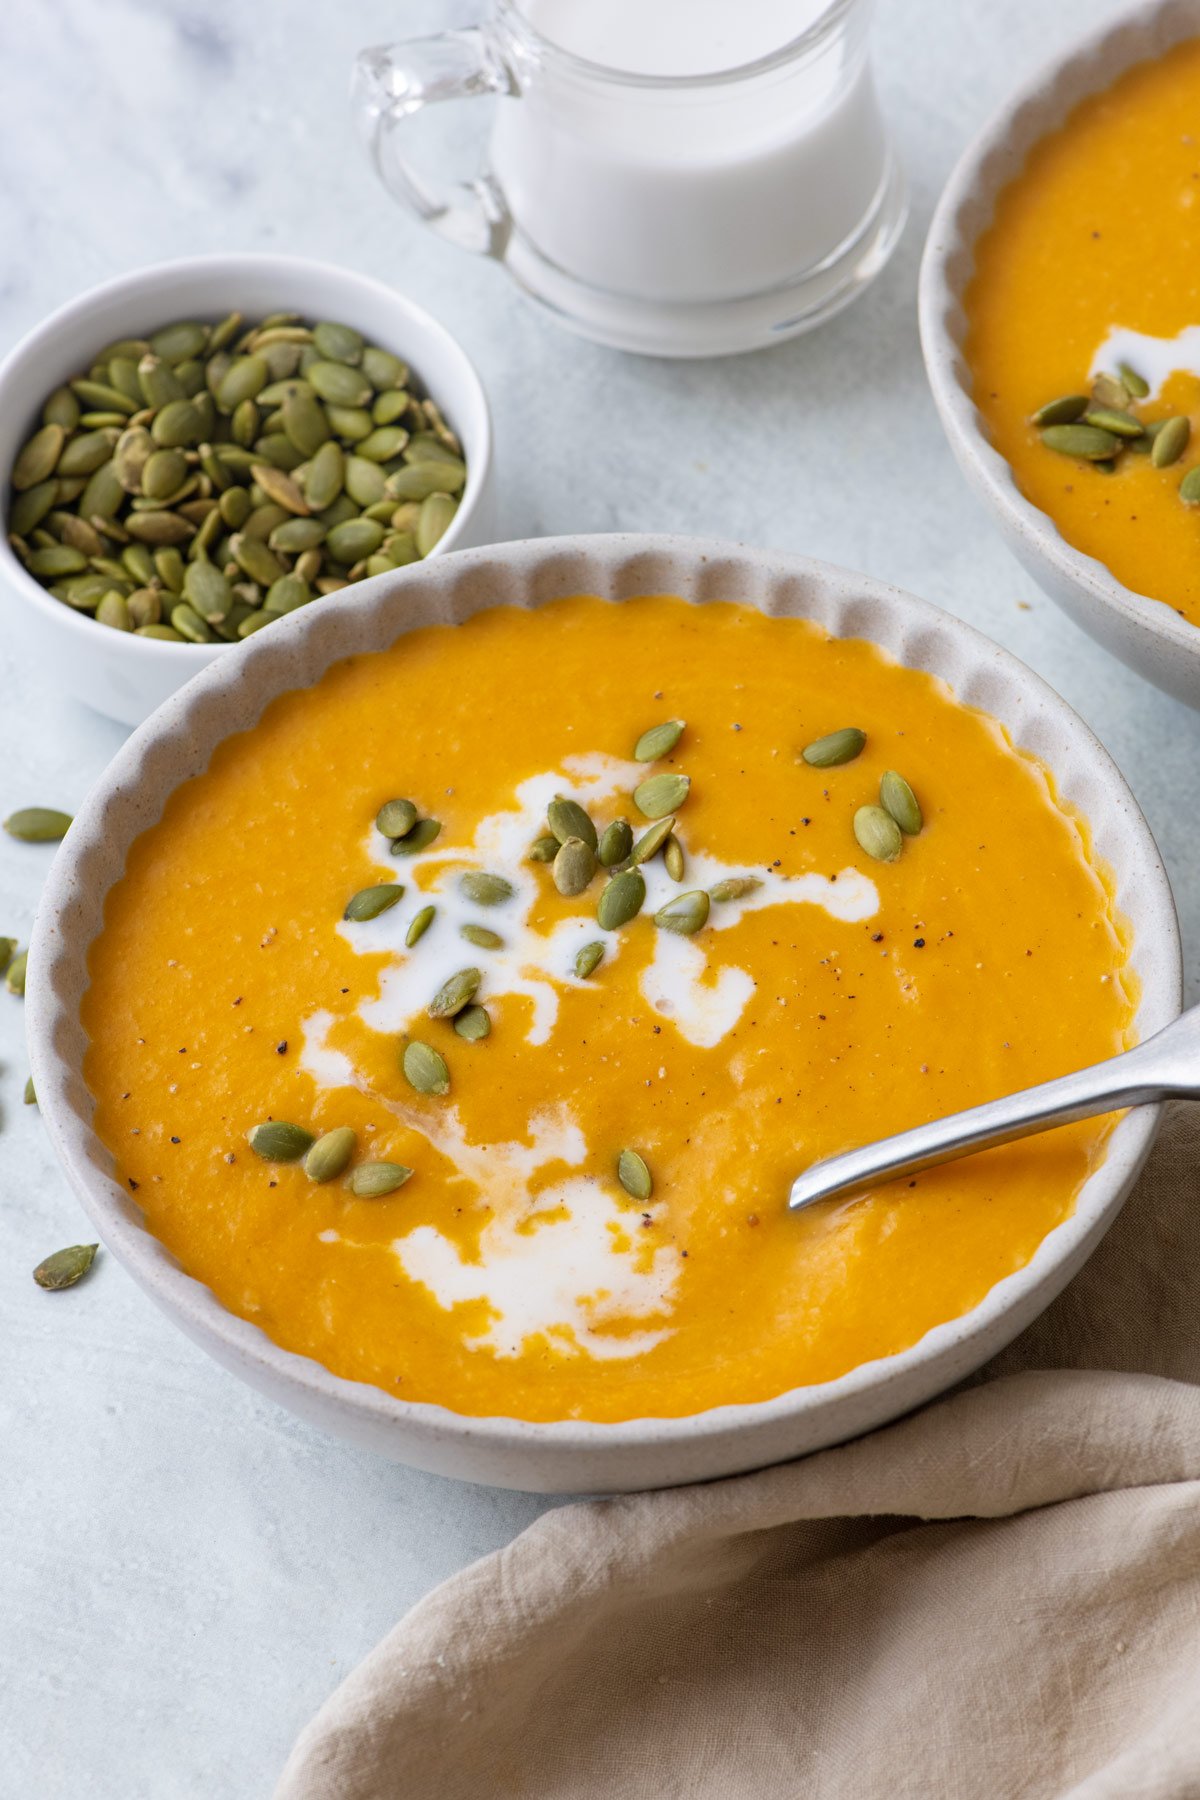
(425,1069)
(835,748)
(255,428)
(420,925)
(1189,487)
(621,900)
(574,866)
(37,825)
(634,1175)
(369,902)
(544,849)
(1170,441)
(1086,442)
(65,1267)
(418,839)
(374,1180)
(659,741)
(454,994)
(659,795)
(396,818)
(473,1024)
(481,937)
(616,842)
(652,841)
(733,887)
(878,833)
(30,1096)
(1111,418)
(588,960)
(673,858)
(330,1155)
(1137,384)
(684,913)
(14,979)
(277,1141)
(1063,411)
(899,801)
(485,889)
(567,819)
(1107,390)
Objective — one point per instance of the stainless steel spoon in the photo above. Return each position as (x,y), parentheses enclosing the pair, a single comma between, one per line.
(1165,1067)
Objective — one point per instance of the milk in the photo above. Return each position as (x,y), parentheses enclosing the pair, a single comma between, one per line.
(702,193)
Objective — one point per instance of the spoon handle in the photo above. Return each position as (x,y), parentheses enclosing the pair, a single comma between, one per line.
(1165,1066)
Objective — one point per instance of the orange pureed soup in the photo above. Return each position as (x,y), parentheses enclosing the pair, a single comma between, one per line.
(1093,260)
(839,998)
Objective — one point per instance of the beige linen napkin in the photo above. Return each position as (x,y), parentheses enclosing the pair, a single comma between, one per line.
(999,1596)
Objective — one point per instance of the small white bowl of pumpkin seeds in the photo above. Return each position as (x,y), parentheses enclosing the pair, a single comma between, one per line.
(193,451)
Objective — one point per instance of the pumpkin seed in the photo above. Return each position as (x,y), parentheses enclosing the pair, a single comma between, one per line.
(88,452)
(455,993)
(353,539)
(30,508)
(567,819)
(245,377)
(277,1141)
(634,1175)
(485,889)
(420,925)
(1086,442)
(419,480)
(1111,418)
(30,1095)
(208,591)
(615,844)
(323,481)
(38,458)
(62,409)
(339,343)
(1189,487)
(1107,390)
(382,369)
(835,748)
(113,611)
(418,839)
(305,423)
(1170,441)
(621,900)
(338,383)
(1063,411)
(396,818)
(733,887)
(544,849)
(588,960)
(574,866)
(101,394)
(1137,384)
(684,913)
(481,937)
(387,441)
(14,979)
(659,741)
(374,1180)
(330,1155)
(659,795)
(286,594)
(425,1068)
(279,487)
(878,833)
(473,1023)
(65,1267)
(651,842)
(899,801)
(37,825)
(673,858)
(437,515)
(369,902)
(56,560)
(188,623)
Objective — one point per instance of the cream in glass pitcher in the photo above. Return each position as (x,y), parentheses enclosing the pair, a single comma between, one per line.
(679,177)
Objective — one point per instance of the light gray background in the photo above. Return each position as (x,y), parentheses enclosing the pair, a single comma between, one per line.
(185,1572)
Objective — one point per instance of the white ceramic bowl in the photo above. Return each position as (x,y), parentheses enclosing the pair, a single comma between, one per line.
(1144,633)
(125,676)
(228,697)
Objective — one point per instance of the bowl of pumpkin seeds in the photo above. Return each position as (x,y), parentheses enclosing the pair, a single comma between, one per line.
(192,453)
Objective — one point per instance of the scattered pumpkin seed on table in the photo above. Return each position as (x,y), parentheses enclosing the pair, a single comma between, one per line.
(176,441)
(65,1267)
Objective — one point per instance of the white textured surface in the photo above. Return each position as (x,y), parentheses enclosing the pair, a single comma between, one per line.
(187,1571)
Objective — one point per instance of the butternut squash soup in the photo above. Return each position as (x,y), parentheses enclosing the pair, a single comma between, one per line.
(465,1022)
(1084,328)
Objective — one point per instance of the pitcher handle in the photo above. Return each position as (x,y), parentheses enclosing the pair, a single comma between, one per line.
(394,82)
